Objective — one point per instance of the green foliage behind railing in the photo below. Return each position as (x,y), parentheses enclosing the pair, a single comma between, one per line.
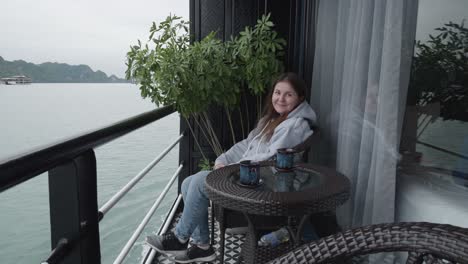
(171,70)
(195,75)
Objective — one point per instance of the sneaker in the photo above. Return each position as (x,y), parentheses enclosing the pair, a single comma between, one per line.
(166,244)
(196,254)
(274,238)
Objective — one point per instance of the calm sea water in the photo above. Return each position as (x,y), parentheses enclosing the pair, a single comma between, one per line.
(38,114)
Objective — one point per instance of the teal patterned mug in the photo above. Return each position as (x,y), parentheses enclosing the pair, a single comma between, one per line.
(249,172)
(285,158)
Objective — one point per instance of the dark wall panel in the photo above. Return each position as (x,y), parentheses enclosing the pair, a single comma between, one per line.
(212,17)
(224,17)
(295,22)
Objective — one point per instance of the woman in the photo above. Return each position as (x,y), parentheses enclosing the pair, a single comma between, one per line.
(286,123)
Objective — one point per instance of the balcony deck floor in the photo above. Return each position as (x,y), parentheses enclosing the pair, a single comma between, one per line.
(232,245)
(232,248)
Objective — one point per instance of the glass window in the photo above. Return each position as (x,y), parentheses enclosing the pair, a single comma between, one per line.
(433,183)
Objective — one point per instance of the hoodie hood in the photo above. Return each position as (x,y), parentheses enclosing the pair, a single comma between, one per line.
(294,130)
(304,111)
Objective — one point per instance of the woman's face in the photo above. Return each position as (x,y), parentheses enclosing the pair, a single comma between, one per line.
(284,98)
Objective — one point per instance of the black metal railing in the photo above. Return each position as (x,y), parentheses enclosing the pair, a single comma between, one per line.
(71,165)
(17,169)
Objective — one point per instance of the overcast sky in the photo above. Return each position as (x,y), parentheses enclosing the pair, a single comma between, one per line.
(97,33)
(435,13)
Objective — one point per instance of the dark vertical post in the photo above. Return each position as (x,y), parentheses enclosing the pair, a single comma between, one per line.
(228,19)
(205,16)
(310,38)
(187,143)
(74,209)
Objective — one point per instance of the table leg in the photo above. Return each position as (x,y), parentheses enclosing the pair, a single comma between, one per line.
(250,244)
(222,235)
(212,217)
(298,236)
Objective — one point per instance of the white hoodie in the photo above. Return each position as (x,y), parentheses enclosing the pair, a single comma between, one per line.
(291,132)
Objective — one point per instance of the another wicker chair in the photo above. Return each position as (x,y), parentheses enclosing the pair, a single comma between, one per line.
(425,242)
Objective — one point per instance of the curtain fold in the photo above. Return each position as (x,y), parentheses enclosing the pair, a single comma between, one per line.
(359,87)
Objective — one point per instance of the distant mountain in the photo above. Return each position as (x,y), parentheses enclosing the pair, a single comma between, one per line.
(52,72)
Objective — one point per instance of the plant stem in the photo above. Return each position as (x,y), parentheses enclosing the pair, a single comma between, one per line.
(259,102)
(228,114)
(241,121)
(214,137)
(204,131)
(209,134)
(260,106)
(247,112)
(195,138)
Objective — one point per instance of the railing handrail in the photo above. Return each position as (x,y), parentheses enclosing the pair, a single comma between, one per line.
(124,190)
(17,169)
(453,153)
(123,253)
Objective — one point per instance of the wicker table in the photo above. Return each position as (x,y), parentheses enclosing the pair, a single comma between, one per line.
(311,189)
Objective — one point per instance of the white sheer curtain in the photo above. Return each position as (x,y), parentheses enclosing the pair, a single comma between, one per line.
(359,87)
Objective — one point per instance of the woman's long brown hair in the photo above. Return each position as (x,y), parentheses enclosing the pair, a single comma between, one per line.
(271,119)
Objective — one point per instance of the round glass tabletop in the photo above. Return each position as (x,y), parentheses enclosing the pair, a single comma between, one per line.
(273,180)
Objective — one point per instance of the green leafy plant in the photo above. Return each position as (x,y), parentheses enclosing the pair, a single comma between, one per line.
(196,75)
(440,71)
(256,53)
(205,164)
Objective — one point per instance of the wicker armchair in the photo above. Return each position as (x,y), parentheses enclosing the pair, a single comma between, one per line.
(228,218)
(425,243)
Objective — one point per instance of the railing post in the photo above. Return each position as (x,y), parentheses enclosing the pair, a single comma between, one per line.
(74,209)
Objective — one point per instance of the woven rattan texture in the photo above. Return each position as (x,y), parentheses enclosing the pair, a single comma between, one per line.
(333,192)
(430,241)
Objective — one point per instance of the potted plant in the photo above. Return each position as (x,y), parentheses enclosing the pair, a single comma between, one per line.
(440,71)
(172,69)
(439,79)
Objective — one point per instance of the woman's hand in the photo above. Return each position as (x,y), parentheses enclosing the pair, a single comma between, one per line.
(219,165)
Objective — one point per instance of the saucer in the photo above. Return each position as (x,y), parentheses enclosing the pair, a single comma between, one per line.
(260,183)
(285,170)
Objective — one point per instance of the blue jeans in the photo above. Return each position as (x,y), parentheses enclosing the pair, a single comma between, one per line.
(194,220)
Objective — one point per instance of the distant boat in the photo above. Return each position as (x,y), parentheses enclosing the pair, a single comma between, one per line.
(19,79)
